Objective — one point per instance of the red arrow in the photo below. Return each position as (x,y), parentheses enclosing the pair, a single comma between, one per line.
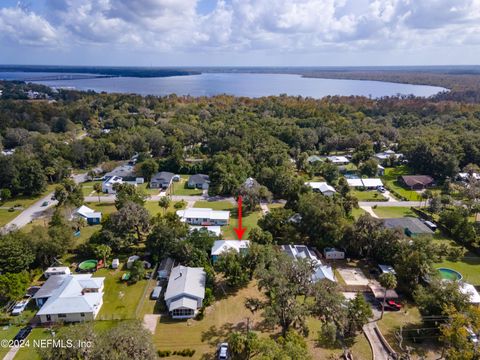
(239,230)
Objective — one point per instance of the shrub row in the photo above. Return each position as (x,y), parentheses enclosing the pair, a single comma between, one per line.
(184,352)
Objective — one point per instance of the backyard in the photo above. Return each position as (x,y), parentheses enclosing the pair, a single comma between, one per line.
(368,195)
(180,188)
(393,212)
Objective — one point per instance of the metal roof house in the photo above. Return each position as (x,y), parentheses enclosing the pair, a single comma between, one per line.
(204,216)
(57,270)
(185,291)
(221,246)
(411,226)
(161,180)
(371,183)
(199,181)
(321,187)
(69,298)
(417,182)
(91,216)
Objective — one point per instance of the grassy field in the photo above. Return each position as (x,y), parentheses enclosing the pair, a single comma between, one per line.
(180,188)
(393,212)
(368,195)
(356,213)
(390,179)
(120,299)
(7,333)
(409,318)
(249,221)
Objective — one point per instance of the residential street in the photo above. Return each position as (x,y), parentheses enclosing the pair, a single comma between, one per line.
(379,351)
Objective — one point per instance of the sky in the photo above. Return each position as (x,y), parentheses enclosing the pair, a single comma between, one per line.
(240,32)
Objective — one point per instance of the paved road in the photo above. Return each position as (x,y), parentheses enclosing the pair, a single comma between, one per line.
(391,203)
(36,210)
(379,351)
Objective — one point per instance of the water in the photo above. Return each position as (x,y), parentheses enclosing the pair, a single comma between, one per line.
(238,84)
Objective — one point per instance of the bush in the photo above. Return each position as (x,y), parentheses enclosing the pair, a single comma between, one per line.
(164,353)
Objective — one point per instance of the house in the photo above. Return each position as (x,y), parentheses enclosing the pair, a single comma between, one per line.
(417,182)
(108,185)
(320,271)
(185,291)
(161,180)
(321,187)
(371,183)
(380,170)
(199,181)
(332,253)
(204,216)
(467,177)
(69,298)
(387,269)
(382,157)
(217,230)
(221,246)
(58,270)
(338,160)
(91,216)
(471,291)
(250,183)
(131,260)
(314,158)
(410,226)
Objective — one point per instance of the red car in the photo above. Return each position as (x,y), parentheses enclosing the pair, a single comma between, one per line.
(394,304)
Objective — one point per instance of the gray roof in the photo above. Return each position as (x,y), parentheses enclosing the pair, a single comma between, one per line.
(199,179)
(163,177)
(186,281)
(123,171)
(183,302)
(49,287)
(413,224)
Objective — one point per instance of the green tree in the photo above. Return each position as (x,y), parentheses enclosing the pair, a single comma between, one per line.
(17,252)
(132,219)
(13,285)
(5,194)
(103,251)
(230,263)
(148,168)
(97,187)
(358,314)
(389,282)
(137,271)
(128,193)
(166,233)
(164,203)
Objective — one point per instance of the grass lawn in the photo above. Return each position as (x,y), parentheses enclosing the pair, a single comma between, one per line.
(409,317)
(180,188)
(390,179)
(468,266)
(6,216)
(30,353)
(275,206)
(87,188)
(356,213)
(7,333)
(249,221)
(120,299)
(368,195)
(393,212)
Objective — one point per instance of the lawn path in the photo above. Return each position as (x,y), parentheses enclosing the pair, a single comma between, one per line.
(369,210)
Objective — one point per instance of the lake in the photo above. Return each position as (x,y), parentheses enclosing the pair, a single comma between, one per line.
(238,84)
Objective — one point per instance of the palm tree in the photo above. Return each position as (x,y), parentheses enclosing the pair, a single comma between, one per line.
(98,189)
(164,203)
(388,282)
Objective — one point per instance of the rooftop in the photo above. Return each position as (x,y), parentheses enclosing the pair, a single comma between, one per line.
(412,180)
(186,281)
(414,225)
(204,213)
(221,246)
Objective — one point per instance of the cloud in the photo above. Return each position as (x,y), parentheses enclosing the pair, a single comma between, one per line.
(26,28)
(158,26)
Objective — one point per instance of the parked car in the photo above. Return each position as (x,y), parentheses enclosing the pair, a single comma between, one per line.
(45,203)
(223,351)
(19,307)
(23,333)
(389,306)
(393,303)
(381,189)
(472,336)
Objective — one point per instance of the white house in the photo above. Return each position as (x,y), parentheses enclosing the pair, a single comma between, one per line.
(91,216)
(463,176)
(469,289)
(320,271)
(383,156)
(108,184)
(371,183)
(221,246)
(321,187)
(70,298)
(185,291)
(332,253)
(58,270)
(204,216)
(338,160)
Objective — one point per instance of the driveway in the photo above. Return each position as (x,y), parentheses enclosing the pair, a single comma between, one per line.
(379,350)
(368,209)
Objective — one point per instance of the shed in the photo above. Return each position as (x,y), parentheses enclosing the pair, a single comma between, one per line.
(59,270)
(115,263)
(332,253)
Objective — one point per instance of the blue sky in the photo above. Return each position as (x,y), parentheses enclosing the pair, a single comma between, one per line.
(240,32)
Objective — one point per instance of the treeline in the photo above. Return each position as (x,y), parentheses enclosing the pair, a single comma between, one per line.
(234,138)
